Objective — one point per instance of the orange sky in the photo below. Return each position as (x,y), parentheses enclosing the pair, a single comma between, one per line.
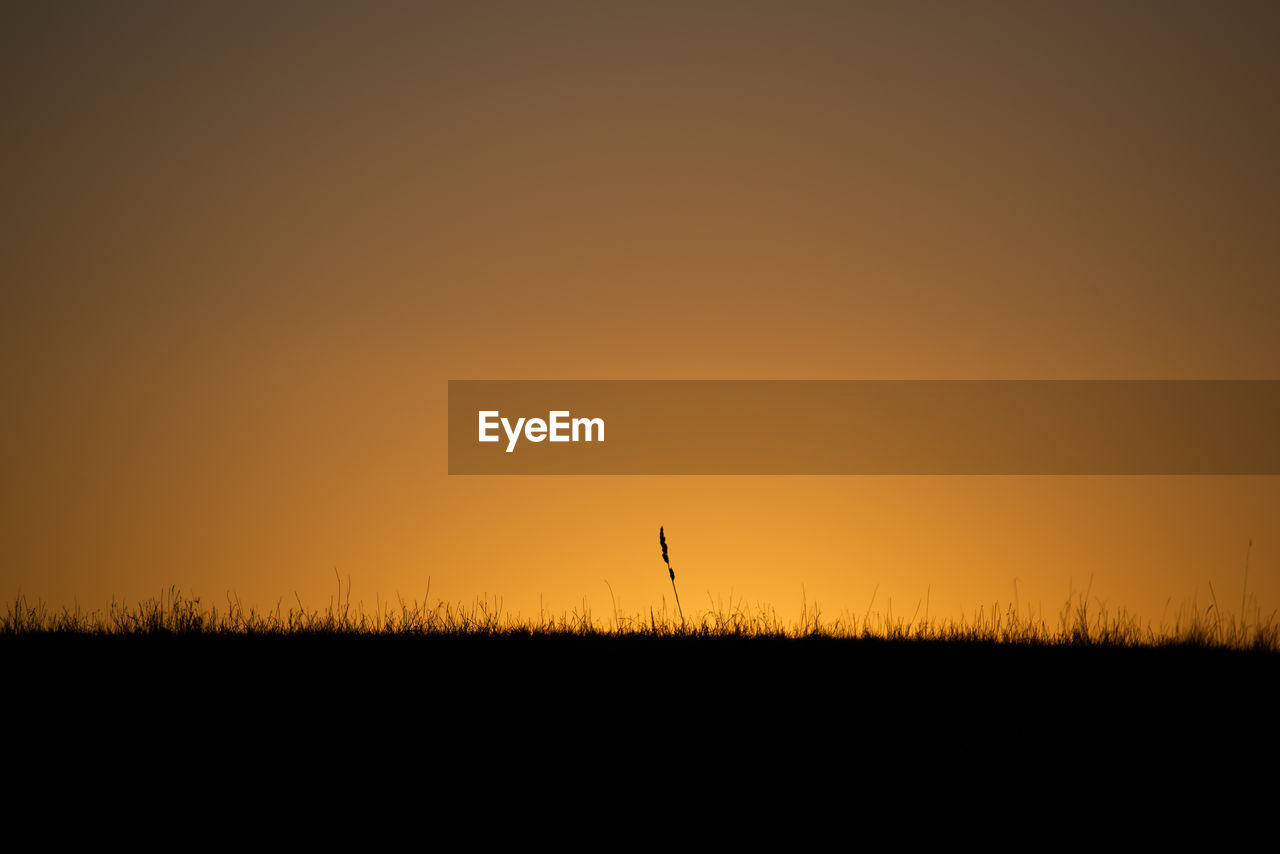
(248,244)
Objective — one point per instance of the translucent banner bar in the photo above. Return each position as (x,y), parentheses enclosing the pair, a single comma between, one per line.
(1086,427)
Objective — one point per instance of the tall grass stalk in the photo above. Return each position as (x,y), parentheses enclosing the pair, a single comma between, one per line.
(662,541)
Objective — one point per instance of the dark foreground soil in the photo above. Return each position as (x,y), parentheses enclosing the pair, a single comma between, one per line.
(466,736)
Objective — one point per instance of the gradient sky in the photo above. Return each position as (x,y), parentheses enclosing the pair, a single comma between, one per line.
(247,244)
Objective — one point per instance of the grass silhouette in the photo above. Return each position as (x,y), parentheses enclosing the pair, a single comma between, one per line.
(1078,623)
(448,715)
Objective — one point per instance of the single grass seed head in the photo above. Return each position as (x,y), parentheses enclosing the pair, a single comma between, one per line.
(662,541)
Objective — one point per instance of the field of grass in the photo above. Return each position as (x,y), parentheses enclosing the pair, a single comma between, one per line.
(471,725)
(1078,623)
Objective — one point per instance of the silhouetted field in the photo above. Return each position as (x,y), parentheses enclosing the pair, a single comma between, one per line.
(475,732)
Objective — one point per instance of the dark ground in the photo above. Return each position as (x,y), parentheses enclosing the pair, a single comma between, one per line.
(536,732)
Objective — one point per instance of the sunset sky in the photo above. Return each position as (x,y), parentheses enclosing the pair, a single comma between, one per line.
(248,244)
